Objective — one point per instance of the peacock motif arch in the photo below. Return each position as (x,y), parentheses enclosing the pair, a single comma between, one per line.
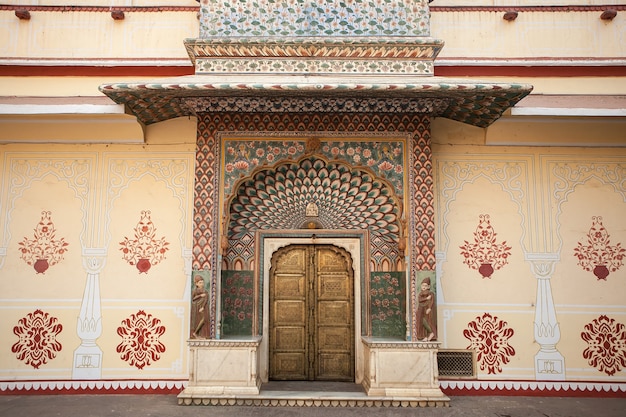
(314,193)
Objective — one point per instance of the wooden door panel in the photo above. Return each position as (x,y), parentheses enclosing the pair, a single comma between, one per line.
(333,287)
(290,286)
(334,339)
(288,331)
(312,313)
(289,313)
(335,367)
(334,313)
(290,366)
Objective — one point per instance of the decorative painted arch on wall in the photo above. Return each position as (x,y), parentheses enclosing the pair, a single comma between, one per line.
(342,197)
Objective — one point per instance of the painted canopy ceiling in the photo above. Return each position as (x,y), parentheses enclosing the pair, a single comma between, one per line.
(478,104)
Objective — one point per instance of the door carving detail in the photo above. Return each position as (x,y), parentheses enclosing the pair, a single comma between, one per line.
(311,314)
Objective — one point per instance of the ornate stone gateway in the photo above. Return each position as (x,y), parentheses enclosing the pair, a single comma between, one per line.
(333,98)
(311,314)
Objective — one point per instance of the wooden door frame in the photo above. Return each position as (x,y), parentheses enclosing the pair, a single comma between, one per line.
(355,242)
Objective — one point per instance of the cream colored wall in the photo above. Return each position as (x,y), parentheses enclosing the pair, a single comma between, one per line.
(95,194)
(534,34)
(541,201)
(94,35)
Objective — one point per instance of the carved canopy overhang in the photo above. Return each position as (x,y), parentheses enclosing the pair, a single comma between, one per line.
(468,101)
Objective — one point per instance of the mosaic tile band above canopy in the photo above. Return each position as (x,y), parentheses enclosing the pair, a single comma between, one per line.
(472,102)
(267,18)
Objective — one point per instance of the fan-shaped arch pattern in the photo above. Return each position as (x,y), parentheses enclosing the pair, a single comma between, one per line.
(347,198)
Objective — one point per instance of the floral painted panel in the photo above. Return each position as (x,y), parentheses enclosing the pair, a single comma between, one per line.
(144,249)
(598,255)
(385,159)
(490,337)
(388,306)
(37,333)
(237,302)
(45,249)
(141,345)
(485,254)
(606,345)
(288,18)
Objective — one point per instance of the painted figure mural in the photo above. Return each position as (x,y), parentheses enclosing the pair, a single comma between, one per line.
(426,313)
(199,310)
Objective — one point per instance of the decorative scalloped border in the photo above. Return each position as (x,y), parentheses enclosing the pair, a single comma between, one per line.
(92,387)
(450,388)
(316,402)
(534,388)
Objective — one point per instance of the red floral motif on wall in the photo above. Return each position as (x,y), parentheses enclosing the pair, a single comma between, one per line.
(38,342)
(598,255)
(485,254)
(489,337)
(145,250)
(140,335)
(44,250)
(606,345)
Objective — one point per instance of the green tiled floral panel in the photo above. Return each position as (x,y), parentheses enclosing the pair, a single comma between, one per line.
(237,302)
(269,66)
(385,159)
(306,18)
(388,305)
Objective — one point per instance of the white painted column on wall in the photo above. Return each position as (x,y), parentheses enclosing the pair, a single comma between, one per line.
(549,362)
(88,356)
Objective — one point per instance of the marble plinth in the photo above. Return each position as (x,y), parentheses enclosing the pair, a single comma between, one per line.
(395,374)
(399,369)
(222,368)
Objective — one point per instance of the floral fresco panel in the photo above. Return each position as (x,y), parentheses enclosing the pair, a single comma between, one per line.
(385,159)
(237,302)
(388,305)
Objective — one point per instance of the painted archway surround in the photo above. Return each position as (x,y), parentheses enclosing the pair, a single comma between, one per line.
(343,198)
(208,213)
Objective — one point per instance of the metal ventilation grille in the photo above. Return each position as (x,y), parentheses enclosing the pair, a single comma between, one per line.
(456,363)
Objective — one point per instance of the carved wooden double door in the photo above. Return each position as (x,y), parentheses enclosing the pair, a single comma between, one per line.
(311,314)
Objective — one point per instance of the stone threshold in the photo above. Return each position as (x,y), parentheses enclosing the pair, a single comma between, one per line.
(313,394)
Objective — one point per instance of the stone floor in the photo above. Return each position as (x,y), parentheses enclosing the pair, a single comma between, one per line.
(112,405)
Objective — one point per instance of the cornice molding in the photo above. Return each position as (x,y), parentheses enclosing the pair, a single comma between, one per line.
(433,9)
(102,9)
(543,9)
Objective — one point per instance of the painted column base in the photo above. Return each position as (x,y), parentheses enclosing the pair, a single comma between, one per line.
(549,366)
(87,362)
